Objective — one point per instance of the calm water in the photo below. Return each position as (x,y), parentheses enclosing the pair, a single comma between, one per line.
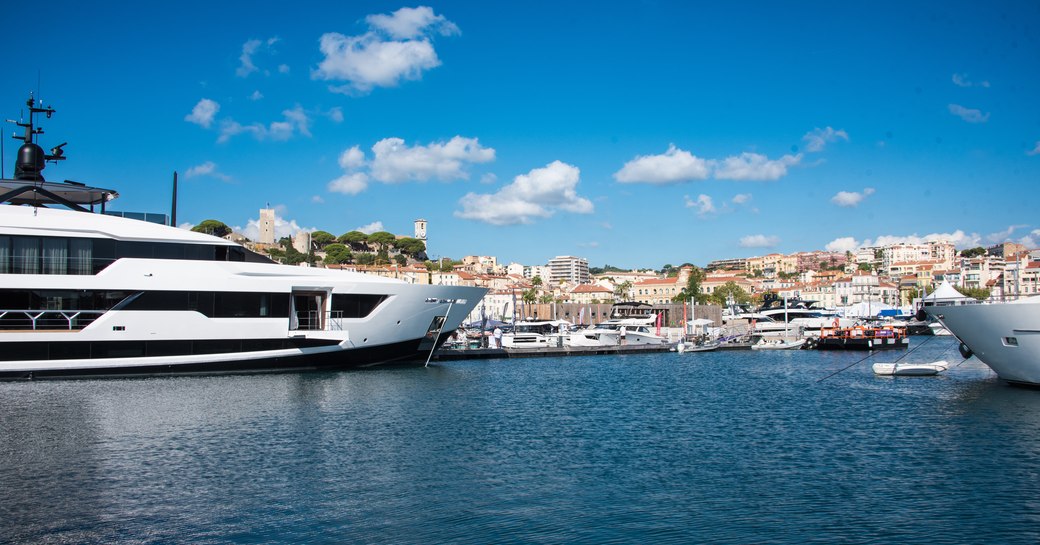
(729,447)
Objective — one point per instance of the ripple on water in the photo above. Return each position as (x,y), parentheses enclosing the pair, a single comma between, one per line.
(726,447)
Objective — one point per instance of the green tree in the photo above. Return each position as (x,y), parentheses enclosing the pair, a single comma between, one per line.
(621,290)
(365,259)
(530,296)
(536,281)
(727,290)
(382,257)
(977,251)
(321,239)
(864,267)
(337,253)
(212,227)
(355,239)
(382,239)
(547,298)
(411,247)
(978,293)
(692,290)
(401,260)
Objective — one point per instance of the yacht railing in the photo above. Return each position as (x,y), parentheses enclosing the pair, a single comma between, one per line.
(316,320)
(51,320)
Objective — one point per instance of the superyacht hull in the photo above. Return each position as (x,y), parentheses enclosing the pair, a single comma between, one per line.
(1004,336)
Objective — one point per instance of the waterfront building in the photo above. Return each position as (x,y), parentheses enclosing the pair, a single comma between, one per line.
(442,278)
(1006,250)
(568,268)
(941,252)
(734,264)
(864,288)
(587,294)
(773,264)
(817,260)
(656,291)
(712,282)
(978,272)
(480,264)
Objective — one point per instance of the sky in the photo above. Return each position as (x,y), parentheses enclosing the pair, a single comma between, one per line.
(634,134)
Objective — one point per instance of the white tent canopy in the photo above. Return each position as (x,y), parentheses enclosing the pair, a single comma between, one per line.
(945,292)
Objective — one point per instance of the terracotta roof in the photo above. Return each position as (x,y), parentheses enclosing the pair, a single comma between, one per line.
(657,282)
(590,288)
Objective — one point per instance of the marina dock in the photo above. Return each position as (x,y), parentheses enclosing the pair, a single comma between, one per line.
(450,354)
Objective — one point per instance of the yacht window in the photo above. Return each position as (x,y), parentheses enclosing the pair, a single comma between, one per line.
(5,254)
(55,256)
(25,255)
(356,305)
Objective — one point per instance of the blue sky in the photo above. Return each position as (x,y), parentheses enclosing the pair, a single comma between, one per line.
(632,133)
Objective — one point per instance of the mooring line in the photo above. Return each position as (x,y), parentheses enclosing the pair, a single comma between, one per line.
(872,354)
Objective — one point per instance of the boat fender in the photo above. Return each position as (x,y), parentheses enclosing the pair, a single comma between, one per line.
(964,350)
(921,315)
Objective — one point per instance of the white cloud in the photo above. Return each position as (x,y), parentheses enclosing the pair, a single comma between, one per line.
(817,139)
(186,226)
(296,120)
(754,166)
(352,158)
(396,162)
(408,23)
(335,114)
(759,241)
(203,113)
(703,204)
(537,194)
(968,114)
(371,60)
(961,80)
(959,238)
(851,198)
(843,244)
(349,184)
(250,48)
(1036,149)
(209,168)
(488,178)
(317,199)
(371,227)
(283,68)
(1005,235)
(282,227)
(674,165)
(741,198)
(1030,240)
(257,95)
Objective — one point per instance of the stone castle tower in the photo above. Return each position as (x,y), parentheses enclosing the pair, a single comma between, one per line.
(420,231)
(266,226)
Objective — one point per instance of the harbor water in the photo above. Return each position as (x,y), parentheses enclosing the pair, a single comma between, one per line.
(712,447)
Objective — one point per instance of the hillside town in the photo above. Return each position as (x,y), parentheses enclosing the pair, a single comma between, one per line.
(884,276)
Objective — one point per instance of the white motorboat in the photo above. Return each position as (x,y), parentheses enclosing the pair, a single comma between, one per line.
(1004,336)
(910,369)
(767,343)
(95,294)
(637,331)
(537,334)
(710,346)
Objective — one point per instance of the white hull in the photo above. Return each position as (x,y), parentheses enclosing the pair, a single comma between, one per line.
(910,369)
(778,344)
(1004,336)
(51,341)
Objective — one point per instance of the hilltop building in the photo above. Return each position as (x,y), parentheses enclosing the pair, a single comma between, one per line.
(266,225)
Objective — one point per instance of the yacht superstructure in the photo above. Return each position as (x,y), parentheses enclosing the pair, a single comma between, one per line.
(89,294)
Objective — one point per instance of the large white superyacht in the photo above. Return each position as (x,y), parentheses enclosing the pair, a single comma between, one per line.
(1004,336)
(86,293)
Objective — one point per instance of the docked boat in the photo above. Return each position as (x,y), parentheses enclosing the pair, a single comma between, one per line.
(1004,336)
(766,343)
(86,293)
(636,331)
(910,369)
(861,338)
(537,334)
